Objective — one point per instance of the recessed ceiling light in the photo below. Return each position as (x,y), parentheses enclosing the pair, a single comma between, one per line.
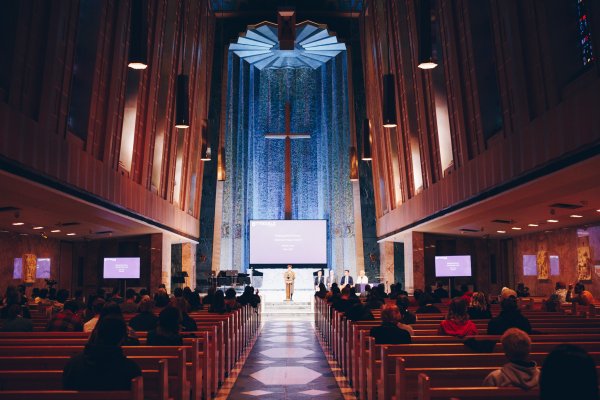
(71,234)
(576,216)
(552,220)
(516,228)
(598,210)
(18,223)
(532,225)
(38,227)
(55,230)
(23,234)
(501,231)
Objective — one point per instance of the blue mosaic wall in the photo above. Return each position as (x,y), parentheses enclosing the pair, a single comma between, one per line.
(254,188)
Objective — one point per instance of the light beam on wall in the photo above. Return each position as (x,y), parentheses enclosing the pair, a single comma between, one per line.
(367,141)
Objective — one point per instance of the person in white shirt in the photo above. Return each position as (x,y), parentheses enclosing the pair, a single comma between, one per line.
(362,278)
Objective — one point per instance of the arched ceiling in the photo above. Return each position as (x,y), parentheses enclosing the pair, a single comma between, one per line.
(314,46)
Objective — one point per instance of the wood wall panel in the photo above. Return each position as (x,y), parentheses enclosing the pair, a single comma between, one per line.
(561,125)
(40,142)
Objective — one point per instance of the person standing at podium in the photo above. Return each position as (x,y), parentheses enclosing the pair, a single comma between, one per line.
(289,276)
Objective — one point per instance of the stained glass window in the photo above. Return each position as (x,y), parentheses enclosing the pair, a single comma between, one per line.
(585,34)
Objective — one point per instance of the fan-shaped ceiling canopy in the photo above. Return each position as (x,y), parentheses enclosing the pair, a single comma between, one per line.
(313,47)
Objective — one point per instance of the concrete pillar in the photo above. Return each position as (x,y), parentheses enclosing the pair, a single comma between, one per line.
(216,256)
(188,263)
(386,265)
(358,235)
(418,261)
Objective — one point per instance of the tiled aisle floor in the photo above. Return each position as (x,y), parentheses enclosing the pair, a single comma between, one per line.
(286,362)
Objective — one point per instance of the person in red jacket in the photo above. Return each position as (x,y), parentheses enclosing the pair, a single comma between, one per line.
(457,322)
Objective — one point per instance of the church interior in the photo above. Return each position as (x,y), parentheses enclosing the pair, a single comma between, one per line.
(406,155)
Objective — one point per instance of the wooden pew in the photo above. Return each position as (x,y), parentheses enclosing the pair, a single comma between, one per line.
(155,388)
(426,392)
(136,393)
(176,366)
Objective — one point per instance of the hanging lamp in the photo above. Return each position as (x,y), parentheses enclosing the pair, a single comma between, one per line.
(182,103)
(427,59)
(138,36)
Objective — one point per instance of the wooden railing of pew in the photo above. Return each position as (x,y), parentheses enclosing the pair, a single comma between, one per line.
(360,359)
(136,393)
(206,359)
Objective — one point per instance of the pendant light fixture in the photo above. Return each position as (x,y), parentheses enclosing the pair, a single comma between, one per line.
(182,103)
(138,36)
(367,141)
(427,60)
(353,164)
(389,90)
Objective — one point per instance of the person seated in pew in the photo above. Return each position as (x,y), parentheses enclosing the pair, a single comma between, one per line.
(581,296)
(389,332)
(112,309)
(519,371)
(560,290)
(403,303)
(167,331)
(146,320)
(510,317)
(210,295)
(102,365)
(359,312)
(13,296)
(193,298)
(425,302)
(551,304)
(97,307)
(187,323)
(161,300)
(129,306)
(457,322)
(218,303)
(322,292)
(248,297)
(333,293)
(569,372)
(522,290)
(507,292)
(440,292)
(15,321)
(231,303)
(479,307)
(67,320)
(374,302)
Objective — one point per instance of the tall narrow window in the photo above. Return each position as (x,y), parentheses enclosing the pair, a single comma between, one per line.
(408,87)
(482,39)
(585,35)
(166,81)
(129,118)
(570,38)
(84,61)
(8,36)
(440,96)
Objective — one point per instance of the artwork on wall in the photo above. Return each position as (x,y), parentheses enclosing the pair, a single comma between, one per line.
(29,268)
(584,259)
(543,264)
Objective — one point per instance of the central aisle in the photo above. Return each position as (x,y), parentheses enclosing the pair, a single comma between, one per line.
(287,362)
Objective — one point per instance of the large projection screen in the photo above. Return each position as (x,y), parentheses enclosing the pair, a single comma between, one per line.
(281,242)
(122,268)
(450,266)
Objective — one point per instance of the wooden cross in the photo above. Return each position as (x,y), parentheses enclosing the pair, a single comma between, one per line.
(288,135)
